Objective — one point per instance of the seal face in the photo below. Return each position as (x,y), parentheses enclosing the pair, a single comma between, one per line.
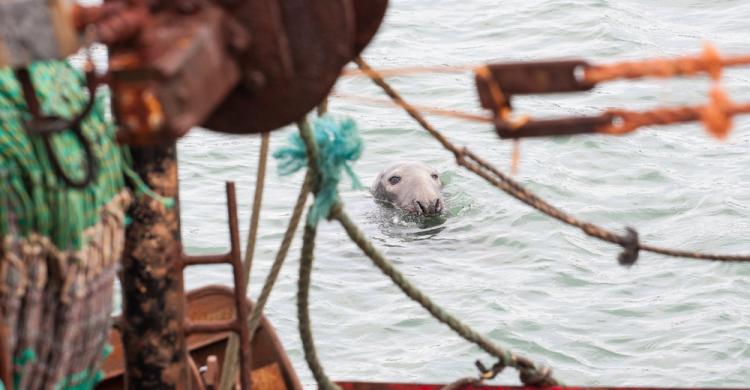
(414,187)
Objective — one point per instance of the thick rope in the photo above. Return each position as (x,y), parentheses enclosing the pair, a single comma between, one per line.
(231,353)
(716,116)
(374,76)
(322,107)
(273,273)
(534,376)
(710,61)
(303,293)
(260,182)
(305,266)
(339,144)
(491,174)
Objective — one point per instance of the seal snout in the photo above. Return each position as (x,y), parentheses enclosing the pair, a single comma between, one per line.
(429,207)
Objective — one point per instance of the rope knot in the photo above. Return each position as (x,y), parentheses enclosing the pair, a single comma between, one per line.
(630,247)
(537,377)
(338,144)
(489,373)
(716,115)
(711,61)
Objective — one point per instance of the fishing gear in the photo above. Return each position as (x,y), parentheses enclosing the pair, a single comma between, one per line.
(497,83)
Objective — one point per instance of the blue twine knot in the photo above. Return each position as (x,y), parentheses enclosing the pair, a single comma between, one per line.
(338,144)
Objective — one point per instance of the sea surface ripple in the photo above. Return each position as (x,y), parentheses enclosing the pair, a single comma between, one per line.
(528,282)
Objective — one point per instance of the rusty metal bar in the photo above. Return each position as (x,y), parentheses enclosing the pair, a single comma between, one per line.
(152,282)
(233,258)
(207,259)
(552,127)
(240,288)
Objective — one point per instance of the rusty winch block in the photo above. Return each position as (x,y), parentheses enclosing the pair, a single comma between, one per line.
(237,66)
(242,66)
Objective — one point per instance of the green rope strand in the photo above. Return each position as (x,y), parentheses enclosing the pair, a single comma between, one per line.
(303,290)
(338,143)
(49,207)
(305,264)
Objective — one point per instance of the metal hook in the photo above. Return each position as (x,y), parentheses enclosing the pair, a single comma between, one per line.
(46,126)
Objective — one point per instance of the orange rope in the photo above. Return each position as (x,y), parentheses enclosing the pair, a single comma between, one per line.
(431,110)
(707,62)
(716,116)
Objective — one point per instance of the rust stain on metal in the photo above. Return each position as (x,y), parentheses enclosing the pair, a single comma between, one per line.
(368,15)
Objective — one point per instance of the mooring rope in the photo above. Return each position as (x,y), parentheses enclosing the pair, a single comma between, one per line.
(464,157)
(231,354)
(286,242)
(709,61)
(303,293)
(306,260)
(260,182)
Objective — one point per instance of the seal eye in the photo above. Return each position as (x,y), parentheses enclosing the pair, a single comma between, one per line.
(434,176)
(394,180)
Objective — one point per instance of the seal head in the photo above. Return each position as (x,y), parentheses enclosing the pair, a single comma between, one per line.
(414,187)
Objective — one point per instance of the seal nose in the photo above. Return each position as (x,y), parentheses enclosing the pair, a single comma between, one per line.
(429,208)
(421,209)
(438,206)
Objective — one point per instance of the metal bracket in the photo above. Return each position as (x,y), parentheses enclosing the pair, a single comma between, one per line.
(497,84)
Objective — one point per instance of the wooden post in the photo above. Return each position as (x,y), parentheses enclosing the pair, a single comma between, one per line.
(152,281)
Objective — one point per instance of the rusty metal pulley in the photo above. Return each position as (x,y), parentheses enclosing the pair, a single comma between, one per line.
(237,66)
(242,66)
(296,54)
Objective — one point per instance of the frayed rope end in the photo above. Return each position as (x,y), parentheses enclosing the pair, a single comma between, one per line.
(339,144)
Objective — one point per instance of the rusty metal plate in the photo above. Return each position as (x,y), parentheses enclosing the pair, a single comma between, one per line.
(297,50)
(530,78)
(368,16)
(552,127)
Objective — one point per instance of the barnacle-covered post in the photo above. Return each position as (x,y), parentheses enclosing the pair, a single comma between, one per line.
(152,283)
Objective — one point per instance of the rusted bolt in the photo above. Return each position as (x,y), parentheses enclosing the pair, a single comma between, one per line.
(254,80)
(237,38)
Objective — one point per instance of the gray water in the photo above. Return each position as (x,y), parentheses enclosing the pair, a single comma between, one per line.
(531,284)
